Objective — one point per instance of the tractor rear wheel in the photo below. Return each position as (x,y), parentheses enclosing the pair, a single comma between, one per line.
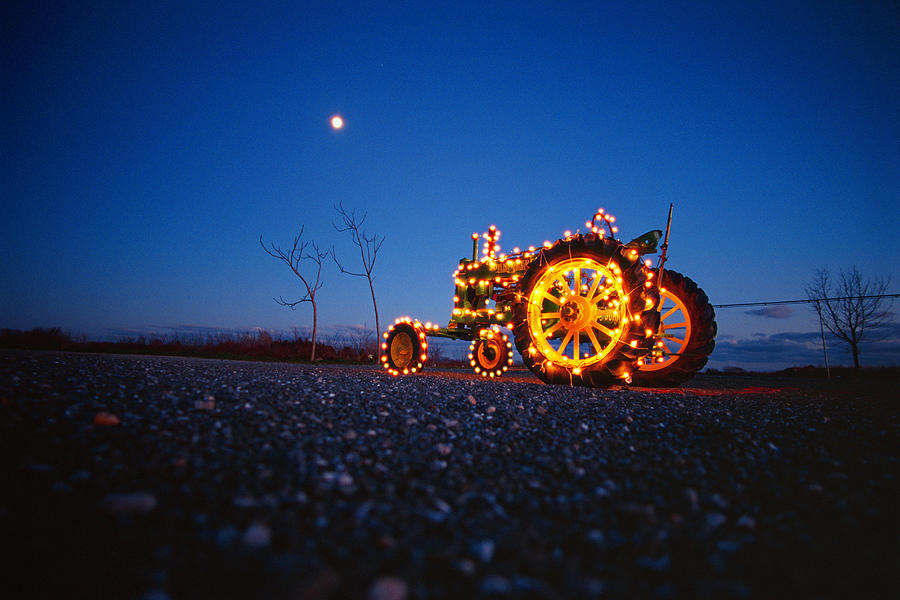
(687,334)
(588,312)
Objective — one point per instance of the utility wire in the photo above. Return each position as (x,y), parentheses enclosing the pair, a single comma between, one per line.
(808,301)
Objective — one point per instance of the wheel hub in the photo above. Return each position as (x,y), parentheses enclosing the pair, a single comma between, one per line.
(577,313)
(569,311)
(489,353)
(401,350)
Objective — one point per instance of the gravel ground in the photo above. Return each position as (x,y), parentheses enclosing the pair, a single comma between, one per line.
(155,478)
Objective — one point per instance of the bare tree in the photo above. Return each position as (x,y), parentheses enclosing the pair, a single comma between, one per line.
(368,251)
(850,307)
(293,260)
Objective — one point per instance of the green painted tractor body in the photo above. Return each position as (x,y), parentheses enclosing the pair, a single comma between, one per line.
(585,310)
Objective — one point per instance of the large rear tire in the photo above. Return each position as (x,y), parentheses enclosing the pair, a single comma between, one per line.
(587,312)
(687,334)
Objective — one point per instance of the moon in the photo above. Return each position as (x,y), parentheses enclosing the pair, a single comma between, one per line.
(337,122)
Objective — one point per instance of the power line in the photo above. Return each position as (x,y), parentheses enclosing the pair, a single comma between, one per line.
(807,301)
(815,301)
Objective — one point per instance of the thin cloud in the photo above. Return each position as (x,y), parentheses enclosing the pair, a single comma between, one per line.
(779,311)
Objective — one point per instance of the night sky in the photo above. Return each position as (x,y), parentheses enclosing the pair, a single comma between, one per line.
(147,146)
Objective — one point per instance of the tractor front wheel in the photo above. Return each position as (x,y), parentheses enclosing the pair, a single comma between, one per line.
(491,354)
(404,349)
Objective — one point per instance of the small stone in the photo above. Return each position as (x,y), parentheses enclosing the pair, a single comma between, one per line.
(714,520)
(320,586)
(227,535)
(728,546)
(350,435)
(467,566)
(471,399)
(495,585)
(444,449)
(746,522)
(257,535)
(491,410)
(208,403)
(483,550)
(130,502)
(659,564)
(596,536)
(389,588)
(692,497)
(61,487)
(106,419)
(541,410)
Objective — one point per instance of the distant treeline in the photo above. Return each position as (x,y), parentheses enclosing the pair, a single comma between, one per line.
(261,345)
(888,373)
(258,345)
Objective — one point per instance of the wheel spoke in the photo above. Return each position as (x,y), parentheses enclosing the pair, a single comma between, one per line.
(669,313)
(676,325)
(677,340)
(594,341)
(603,329)
(550,297)
(553,328)
(550,315)
(576,346)
(593,290)
(565,342)
(576,281)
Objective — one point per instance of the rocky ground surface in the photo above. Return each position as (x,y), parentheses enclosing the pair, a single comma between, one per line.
(155,478)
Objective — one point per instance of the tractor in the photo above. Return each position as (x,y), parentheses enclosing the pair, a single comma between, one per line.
(587,310)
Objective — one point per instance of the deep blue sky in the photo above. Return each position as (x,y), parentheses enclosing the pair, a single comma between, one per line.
(146,146)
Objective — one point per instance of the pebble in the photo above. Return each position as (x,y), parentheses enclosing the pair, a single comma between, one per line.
(388,588)
(257,535)
(483,550)
(129,502)
(495,584)
(714,520)
(106,419)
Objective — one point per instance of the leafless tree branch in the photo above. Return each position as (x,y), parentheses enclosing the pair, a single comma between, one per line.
(293,260)
(368,245)
(850,307)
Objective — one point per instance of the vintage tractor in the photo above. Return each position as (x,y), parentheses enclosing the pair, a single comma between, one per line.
(587,310)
